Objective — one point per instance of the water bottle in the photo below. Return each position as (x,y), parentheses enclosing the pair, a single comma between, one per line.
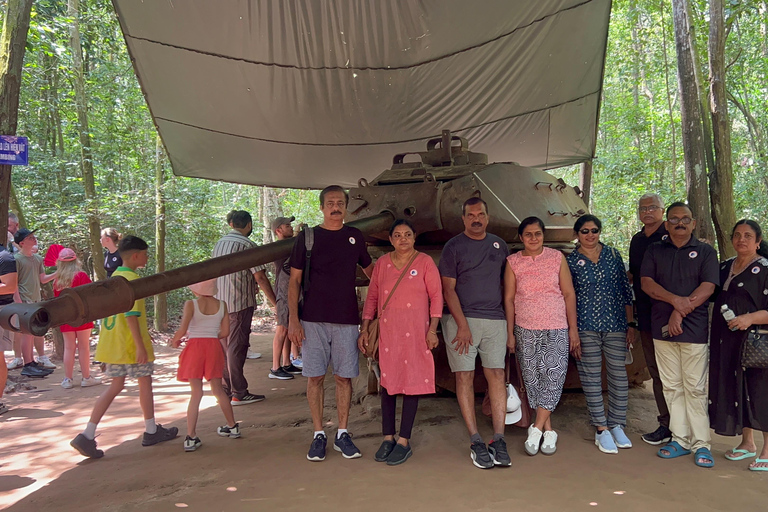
(727,313)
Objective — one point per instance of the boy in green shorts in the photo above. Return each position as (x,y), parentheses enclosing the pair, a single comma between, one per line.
(126,348)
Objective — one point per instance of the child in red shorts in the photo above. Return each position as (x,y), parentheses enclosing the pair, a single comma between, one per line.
(204,322)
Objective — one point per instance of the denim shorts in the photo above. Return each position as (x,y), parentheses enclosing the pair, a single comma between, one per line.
(133,371)
(330,344)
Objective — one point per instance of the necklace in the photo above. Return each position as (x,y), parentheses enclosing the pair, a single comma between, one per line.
(734,272)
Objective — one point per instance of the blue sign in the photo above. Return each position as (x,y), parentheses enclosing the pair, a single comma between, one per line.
(14,150)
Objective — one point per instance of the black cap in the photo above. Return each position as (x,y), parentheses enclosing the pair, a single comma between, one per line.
(22,234)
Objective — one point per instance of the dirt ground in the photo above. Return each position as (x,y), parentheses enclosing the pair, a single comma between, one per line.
(267,467)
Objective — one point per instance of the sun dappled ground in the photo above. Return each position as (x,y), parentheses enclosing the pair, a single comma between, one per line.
(267,467)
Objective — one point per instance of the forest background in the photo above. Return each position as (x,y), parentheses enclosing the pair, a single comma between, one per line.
(639,149)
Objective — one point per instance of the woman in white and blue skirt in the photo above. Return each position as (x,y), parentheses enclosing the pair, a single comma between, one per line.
(603,304)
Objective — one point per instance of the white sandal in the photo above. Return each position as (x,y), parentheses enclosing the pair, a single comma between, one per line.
(533,441)
(549,446)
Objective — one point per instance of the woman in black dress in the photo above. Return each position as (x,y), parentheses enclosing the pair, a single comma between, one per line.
(739,397)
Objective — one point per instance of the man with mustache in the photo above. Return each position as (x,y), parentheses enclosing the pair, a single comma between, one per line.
(239,291)
(650,209)
(679,274)
(327,327)
(472,270)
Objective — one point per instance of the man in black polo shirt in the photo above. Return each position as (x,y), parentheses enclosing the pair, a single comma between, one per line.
(679,274)
(650,209)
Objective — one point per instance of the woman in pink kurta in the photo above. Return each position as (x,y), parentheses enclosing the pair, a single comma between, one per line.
(407,334)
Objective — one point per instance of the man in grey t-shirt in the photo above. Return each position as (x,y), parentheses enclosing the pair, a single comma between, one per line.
(472,268)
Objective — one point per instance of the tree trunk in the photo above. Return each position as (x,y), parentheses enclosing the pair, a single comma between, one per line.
(161,301)
(272,208)
(16,208)
(672,128)
(585,181)
(12,47)
(693,133)
(86,161)
(721,176)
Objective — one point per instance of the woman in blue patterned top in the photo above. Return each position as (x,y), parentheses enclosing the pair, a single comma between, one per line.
(603,304)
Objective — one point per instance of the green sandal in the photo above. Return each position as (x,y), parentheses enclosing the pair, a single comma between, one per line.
(742,454)
(759,461)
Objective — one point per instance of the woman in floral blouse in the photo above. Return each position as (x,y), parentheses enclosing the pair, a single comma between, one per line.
(603,305)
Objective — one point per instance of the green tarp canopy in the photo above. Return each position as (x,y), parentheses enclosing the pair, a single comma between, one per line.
(303,94)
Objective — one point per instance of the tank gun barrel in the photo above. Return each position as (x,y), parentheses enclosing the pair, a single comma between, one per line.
(76,306)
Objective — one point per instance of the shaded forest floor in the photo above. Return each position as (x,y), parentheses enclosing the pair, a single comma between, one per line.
(267,466)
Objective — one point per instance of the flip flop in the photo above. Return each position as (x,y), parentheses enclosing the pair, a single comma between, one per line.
(704,453)
(759,461)
(744,454)
(674,449)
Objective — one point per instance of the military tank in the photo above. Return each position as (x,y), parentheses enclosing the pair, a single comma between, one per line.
(426,187)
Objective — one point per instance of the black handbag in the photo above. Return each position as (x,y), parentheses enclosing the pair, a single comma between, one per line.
(754,352)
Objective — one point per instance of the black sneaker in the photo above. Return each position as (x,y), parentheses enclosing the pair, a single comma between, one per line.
(86,447)
(317,448)
(347,448)
(384,450)
(293,370)
(499,454)
(247,399)
(34,371)
(280,374)
(480,456)
(659,436)
(162,434)
(191,444)
(399,455)
(226,431)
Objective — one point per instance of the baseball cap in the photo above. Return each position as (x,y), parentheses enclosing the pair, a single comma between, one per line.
(514,406)
(22,234)
(282,220)
(207,288)
(67,254)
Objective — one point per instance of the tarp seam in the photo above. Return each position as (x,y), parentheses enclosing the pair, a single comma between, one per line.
(415,139)
(365,68)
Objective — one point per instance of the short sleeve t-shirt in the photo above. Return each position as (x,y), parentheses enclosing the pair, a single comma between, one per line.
(29,269)
(7,266)
(112,260)
(478,268)
(116,344)
(335,256)
(681,271)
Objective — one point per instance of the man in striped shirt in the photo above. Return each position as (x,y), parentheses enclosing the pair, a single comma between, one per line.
(239,291)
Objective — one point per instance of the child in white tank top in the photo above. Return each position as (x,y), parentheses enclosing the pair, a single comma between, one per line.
(204,322)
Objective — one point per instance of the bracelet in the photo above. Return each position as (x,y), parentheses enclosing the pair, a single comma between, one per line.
(433,332)
(632,324)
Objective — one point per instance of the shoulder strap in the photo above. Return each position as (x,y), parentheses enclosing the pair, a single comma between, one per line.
(309,242)
(405,269)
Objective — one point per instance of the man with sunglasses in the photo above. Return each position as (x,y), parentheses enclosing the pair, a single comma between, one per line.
(679,274)
(650,209)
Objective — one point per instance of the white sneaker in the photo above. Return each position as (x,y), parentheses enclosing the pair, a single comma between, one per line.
(17,362)
(45,362)
(90,381)
(533,441)
(67,383)
(549,445)
(253,355)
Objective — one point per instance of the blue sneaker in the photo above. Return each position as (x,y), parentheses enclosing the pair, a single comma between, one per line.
(297,363)
(347,448)
(604,442)
(317,448)
(622,441)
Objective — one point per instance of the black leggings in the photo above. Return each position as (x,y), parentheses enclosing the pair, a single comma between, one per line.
(388,405)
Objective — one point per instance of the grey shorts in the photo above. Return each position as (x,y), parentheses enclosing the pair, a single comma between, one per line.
(133,371)
(281,312)
(330,344)
(489,339)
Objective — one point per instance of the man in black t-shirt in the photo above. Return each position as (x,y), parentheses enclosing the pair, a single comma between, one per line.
(328,326)
(650,210)
(8,286)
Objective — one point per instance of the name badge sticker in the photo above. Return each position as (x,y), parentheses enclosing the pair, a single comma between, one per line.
(352,240)
(755,270)
(581,263)
(692,254)
(496,245)
(414,272)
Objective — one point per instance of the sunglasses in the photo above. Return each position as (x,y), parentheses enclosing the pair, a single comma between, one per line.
(675,221)
(586,231)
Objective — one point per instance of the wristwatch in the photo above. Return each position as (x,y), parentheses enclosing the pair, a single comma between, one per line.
(632,324)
